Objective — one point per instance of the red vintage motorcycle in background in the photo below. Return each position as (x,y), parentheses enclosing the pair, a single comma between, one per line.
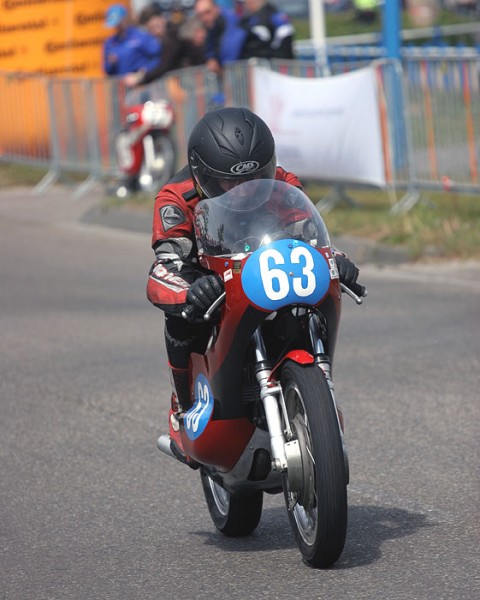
(145,148)
(263,416)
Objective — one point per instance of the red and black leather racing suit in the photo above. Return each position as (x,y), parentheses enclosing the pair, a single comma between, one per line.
(176,264)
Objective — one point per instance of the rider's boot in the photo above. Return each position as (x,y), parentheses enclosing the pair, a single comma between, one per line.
(180,402)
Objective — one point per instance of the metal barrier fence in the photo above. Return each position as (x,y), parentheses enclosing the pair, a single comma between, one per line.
(430,114)
(64,125)
(444,118)
(236,90)
(463,37)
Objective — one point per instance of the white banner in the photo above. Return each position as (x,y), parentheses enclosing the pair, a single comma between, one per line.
(324,128)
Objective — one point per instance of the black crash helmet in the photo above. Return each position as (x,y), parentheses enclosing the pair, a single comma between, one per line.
(228,146)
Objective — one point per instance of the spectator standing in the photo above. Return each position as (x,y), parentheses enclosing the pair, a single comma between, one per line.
(180,46)
(225,37)
(193,34)
(130,48)
(269,31)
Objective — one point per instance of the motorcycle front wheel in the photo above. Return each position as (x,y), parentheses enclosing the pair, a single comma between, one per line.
(158,164)
(235,515)
(315,485)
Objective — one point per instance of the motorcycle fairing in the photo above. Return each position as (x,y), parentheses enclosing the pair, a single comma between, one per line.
(269,266)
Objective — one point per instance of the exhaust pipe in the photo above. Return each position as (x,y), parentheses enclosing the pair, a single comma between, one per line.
(163,444)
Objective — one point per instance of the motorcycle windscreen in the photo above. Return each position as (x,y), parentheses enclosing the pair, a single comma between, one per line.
(255,214)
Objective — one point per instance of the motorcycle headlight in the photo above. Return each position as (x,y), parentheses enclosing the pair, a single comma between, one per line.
(157,114)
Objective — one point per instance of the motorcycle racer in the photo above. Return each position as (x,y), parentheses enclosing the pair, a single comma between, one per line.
(226,147)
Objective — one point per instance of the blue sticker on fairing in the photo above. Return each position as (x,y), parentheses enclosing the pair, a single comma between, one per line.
(285,272)
(196,419)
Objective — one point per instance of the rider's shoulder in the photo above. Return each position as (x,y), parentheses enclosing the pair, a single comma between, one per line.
(181,184)
(283,175)
(180,177)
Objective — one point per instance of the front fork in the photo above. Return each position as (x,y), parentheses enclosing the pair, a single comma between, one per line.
(272,398)
(273,402)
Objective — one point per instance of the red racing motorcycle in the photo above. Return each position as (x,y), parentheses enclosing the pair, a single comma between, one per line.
(145,149)
(263,415)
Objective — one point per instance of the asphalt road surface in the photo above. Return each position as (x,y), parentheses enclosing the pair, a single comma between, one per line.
(89,509)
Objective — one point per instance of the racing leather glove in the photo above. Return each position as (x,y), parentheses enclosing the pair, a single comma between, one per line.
(348,274)
(201,295)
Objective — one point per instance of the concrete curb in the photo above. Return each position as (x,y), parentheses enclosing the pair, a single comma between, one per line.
(118,218)
(361,251)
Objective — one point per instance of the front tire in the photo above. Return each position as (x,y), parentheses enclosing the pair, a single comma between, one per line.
(315,486)
(235,515)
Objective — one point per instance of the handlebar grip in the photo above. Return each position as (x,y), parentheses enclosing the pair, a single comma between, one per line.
(362,292)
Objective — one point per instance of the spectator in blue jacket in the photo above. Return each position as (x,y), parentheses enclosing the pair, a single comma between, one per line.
(225,37)
(130,49)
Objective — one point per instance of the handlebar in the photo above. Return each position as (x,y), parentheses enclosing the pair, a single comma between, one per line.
(211,309)
(214,306)
(348,291)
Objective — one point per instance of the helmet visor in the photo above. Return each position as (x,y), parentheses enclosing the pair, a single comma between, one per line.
(214,184)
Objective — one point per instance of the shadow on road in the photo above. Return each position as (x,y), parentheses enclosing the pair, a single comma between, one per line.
(368,527)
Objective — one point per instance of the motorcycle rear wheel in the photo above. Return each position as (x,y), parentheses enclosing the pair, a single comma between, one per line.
(151,178)
(235,515)
(315,488)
